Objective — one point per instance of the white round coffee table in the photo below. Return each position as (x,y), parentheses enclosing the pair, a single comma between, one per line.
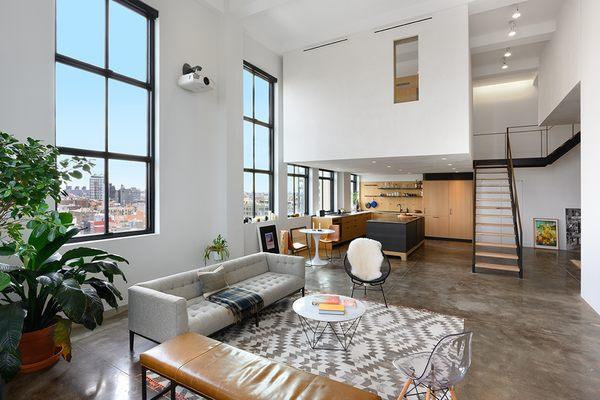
(316,325)
(316,234)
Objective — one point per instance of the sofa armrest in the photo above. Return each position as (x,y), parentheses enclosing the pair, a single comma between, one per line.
(284,264)
(156,315)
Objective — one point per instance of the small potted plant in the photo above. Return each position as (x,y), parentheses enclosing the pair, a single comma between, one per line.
(218,250)
(355,200)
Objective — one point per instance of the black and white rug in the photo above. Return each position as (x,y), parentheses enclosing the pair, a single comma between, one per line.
(384,334)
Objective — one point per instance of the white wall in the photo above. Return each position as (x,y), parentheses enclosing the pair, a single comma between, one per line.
(590,148)
(547,192)
(192,147)
(560,65)
(391,178)
(339,100)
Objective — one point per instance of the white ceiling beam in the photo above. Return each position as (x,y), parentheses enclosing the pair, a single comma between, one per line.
(481,6)
(244,8)
(526,34)
(526,64)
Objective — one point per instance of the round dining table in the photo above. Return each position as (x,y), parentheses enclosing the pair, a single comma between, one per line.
(316,234)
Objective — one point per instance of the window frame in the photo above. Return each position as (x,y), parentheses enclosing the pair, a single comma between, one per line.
(331,180)
(306,178)
(255,71)
(149,85)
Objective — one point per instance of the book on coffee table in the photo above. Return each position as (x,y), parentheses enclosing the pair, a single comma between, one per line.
(333,309)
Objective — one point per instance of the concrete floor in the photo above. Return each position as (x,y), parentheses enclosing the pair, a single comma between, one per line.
(533,338)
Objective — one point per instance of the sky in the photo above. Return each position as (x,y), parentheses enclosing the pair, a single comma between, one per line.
(81,95)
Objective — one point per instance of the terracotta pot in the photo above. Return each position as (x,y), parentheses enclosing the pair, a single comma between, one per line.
(38,351)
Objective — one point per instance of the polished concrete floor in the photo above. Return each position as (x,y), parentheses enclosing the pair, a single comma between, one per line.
(533,338)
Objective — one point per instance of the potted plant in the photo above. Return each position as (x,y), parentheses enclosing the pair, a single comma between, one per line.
(355,200)
(218,250)
(43,293)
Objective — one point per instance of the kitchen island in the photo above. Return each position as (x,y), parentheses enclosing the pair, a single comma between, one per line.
(399,235)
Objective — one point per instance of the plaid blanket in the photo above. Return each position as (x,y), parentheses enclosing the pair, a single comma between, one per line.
(242,303)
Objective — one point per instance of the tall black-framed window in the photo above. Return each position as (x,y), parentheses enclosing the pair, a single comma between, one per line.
(355,188)
(297,190)
(259,90)
(105,112)
(326,190)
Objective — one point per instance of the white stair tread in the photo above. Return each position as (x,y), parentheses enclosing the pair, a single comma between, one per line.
(492,179)
(495,234)
(491,224)
(495,215)
(499,267)
(493,192)
(496,255)
(500,245)
(494,208)
(495,200)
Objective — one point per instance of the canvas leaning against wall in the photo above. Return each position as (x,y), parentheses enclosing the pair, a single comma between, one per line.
(545,233)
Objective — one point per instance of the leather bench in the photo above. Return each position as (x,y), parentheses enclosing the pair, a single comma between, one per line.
(219,371)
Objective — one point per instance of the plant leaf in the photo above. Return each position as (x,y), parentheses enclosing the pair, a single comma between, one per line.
(4,280)
(11,326)
(81,252)
(94,312)
(113,257)
(62,337)
(52,280)
(52,247)
(8,249)
(106,290)
(71,299)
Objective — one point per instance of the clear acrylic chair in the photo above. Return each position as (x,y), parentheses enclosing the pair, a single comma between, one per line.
(436,373)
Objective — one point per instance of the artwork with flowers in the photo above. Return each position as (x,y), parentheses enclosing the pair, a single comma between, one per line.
(545,233)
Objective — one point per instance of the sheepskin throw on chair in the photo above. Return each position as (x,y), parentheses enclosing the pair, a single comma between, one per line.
(365,258)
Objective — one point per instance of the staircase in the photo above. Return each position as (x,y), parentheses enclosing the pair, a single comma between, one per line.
(497,229)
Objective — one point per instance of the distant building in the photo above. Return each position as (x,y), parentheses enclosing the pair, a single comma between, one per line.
(128,195)
(97,187)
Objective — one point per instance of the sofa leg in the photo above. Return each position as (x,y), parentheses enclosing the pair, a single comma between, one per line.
(131,337)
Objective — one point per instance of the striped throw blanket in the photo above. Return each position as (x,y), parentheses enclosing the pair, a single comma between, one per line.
(242,303)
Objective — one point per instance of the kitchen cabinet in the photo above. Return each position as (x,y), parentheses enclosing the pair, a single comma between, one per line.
(448,209)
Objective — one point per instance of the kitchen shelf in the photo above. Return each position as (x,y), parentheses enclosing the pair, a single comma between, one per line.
(404,197)
(399,188)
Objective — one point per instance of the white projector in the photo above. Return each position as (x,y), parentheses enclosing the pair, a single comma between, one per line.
(192,80)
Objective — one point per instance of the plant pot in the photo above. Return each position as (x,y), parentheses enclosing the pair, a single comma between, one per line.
(38,351)
(216,256)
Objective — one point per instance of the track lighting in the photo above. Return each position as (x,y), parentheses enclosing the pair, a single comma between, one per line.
(517,13)
(504,65)
(512,25)
(507,53)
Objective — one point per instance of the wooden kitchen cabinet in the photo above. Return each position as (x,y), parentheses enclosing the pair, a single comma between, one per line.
(448,209)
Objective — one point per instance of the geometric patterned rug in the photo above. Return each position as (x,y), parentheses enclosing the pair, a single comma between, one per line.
(383,335)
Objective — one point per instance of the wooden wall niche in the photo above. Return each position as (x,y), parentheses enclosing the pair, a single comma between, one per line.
(406,70)
(384,193)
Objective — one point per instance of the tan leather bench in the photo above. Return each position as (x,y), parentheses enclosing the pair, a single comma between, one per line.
(219,371)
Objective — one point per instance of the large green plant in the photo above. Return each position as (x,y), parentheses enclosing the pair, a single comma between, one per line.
(44,287)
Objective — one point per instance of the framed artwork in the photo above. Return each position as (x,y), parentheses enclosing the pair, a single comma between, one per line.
(545,233)
(267,238)
(573,228)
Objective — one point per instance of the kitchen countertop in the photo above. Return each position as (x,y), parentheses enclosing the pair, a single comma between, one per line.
(397,219)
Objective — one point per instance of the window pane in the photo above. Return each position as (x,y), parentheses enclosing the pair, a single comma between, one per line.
(127,118)
(261,99)
(326,196)
(80,30)
(127,195)
(262,147)
(290,195)
(79,108)
(290,169)
(128,36)
(248,195)
(248,145)
(248,110)
(262,194)
(85,199)
(301,196)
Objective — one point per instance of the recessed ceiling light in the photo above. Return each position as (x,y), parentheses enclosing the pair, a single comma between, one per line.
(373,162)
(399,170)
(504,64)
(449,165)
(517,13)
(512,25)
(507,53)
(444,158)
(389,166)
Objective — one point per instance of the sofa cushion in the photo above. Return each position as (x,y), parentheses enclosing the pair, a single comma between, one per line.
(246,267)
(212,282)
(272,286)
(205,317)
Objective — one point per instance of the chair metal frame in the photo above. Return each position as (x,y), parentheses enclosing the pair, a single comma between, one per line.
(291,241)
(374,285)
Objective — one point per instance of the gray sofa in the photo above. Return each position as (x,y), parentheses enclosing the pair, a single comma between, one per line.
(166,307)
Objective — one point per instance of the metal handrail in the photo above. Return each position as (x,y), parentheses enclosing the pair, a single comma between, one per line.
(515,204)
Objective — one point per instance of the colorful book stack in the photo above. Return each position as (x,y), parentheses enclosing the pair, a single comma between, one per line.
(331,305)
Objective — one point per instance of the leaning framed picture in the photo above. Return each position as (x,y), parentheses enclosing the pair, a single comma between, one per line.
(267,238)
(545,233)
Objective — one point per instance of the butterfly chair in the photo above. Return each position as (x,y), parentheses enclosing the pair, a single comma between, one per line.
(376,284)
(439,371)
(330,239)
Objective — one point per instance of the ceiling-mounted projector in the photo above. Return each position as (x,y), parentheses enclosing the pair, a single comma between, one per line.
(193,81)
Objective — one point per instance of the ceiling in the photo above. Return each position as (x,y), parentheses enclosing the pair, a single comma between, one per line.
(287,25)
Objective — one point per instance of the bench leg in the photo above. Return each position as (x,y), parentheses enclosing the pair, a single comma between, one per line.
(131,337)
(302,292)
(144,388)
(173,386)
